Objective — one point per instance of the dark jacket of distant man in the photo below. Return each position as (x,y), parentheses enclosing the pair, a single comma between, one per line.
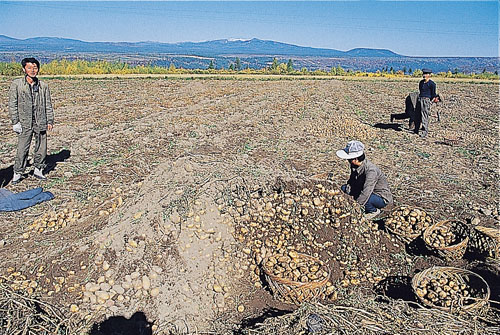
(427,89)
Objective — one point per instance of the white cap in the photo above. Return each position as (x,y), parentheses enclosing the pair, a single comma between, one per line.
(352,150)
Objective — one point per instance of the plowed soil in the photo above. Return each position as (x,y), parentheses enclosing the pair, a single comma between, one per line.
(161,172)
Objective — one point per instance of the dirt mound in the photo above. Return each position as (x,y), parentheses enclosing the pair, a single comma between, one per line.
(165,252)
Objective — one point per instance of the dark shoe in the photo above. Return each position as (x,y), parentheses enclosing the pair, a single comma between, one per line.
(411,126)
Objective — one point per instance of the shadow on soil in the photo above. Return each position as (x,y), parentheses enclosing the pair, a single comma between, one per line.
(253,322)
(53,159)
(118,325)
(444,143)
(6,174)
(491,274)
(393,126)
(417,247)
(395,287)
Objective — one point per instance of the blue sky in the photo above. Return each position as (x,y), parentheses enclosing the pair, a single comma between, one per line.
(413,28)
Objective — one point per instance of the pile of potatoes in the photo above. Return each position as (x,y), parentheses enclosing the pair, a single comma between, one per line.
(297,268)
(288,219)
(408,222)
(277,222)
(20,282)
(441,237)
(445,290)
(312,218)
(49,222)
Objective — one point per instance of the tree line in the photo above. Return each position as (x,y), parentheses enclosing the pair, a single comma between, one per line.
(76,67)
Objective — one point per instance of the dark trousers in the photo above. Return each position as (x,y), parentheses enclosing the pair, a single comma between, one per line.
(410,107)
(23,147)
(403,116)
(422,116)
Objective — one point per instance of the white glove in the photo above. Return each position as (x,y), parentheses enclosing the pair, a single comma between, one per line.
(17,128)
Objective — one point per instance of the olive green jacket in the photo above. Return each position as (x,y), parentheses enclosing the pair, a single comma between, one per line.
(21,105)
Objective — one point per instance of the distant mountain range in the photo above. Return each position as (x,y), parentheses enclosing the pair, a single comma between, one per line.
(221,47)
(253,53)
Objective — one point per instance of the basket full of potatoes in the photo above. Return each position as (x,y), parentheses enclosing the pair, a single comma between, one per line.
(407,223)
(451,289)
(295,277)
(448,238)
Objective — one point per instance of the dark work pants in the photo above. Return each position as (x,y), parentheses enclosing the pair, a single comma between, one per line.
(400,116)
(23,147)
(403,116)
(422,116)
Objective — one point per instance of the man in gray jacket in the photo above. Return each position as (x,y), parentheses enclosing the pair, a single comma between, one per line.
(32,115)
(367,184)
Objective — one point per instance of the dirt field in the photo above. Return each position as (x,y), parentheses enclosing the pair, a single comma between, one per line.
(153,180)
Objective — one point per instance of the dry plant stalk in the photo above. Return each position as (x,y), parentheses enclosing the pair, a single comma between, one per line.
(367,317)
(20,314)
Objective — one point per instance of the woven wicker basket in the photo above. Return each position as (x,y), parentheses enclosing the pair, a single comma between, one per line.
(405,237)
(480,291)
(486,242)
(458,248)
(296,292)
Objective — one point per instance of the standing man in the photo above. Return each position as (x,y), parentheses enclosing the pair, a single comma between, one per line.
(32,115)
(427,95)
(367,184)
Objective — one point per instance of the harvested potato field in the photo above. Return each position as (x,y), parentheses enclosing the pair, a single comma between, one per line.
(213,205)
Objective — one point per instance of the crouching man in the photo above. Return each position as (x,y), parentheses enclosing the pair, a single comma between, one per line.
(32,115)
(367,184)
